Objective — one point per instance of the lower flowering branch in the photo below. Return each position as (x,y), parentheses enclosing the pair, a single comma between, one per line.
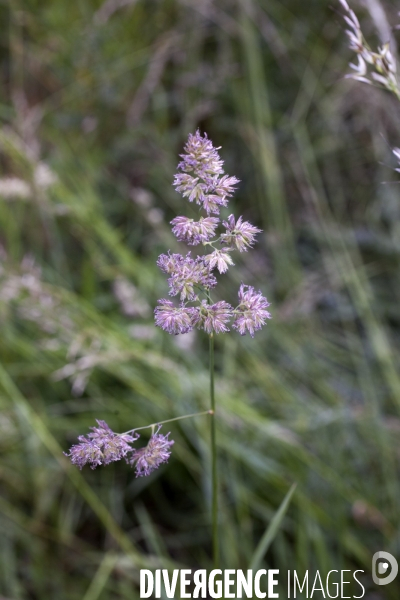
(102,446)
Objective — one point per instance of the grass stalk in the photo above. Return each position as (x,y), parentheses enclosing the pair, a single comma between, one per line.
(214,473)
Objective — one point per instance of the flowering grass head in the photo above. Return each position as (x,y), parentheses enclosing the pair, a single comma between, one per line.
(201,179)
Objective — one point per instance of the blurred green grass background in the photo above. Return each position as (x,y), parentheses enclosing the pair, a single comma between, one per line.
(96,102)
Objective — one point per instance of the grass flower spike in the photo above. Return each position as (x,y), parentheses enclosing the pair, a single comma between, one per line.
(202,179)
(372,67)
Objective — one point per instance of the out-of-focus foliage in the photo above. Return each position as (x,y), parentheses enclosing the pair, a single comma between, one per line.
(97,99)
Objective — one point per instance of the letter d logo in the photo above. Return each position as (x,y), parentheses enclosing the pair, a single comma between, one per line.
(383,568)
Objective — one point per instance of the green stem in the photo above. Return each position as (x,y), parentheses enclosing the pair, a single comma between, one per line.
(198,414)
(215,540)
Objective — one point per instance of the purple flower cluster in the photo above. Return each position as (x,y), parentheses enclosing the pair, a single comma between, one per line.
(250,315)
(149,458)
(215,317)
(252,311)
(103,446)
(173,319)
(194,232)
(240,234)
(186,273)
(201,179)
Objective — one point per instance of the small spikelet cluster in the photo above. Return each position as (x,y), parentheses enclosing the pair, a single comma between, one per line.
(216,316)
(201,179)
(239,234)
(173,319)
(194,232)
(149,458)
(372,67)
(186,274)
(252,311)
(102,446)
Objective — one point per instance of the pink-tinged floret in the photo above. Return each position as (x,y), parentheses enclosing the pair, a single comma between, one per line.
(175,319)
(156,453)
(101,447)
(216,317)
(194,232)
(239,234)
(251,314)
